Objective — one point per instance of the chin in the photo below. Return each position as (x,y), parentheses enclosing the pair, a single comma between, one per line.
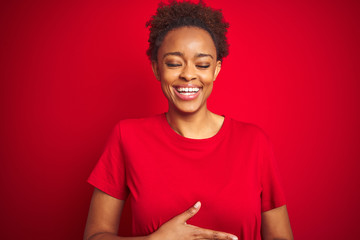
(187,109)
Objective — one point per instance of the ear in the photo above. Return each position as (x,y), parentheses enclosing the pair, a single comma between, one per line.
(217,69)
(155,69)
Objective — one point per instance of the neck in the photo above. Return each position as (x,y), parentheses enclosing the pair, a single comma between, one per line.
(199,125)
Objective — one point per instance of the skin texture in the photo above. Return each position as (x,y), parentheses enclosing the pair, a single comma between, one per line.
(186,56)
(275,224)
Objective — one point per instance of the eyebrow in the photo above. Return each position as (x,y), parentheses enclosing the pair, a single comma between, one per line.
(181,55)
(173,54)
(204,55)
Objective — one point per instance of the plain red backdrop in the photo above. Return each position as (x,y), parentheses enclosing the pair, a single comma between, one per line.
(70,70)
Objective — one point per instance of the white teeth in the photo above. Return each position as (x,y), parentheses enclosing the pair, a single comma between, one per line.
(187,90)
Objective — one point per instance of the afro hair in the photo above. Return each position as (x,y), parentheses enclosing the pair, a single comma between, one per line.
(180,14)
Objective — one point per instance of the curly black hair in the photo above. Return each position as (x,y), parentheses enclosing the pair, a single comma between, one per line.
(178,14)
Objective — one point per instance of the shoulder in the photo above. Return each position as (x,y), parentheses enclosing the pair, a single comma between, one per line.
(247,129)
(139,125)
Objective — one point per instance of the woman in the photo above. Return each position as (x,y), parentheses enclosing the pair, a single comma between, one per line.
(170,165)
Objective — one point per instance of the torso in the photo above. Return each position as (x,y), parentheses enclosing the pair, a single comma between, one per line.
(167,173)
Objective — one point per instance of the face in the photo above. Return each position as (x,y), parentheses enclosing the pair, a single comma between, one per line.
(187,67)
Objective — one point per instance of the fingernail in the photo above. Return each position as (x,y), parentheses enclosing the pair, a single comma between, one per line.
(234,238)
(197,205)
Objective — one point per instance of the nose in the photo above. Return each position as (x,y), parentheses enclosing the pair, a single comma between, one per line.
(188,73)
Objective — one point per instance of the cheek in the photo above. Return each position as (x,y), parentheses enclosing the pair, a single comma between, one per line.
(208,77)
(166,88)
(210,87)
(169,76)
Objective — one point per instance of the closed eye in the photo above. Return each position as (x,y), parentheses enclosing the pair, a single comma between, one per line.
(173,65)
(203,66)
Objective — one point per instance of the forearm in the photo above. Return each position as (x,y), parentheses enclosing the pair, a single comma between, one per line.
(111,236)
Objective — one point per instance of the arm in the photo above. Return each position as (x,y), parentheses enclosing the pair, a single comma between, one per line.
(275,224)
(104,216)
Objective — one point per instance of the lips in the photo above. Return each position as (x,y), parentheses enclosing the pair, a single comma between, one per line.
(188,92)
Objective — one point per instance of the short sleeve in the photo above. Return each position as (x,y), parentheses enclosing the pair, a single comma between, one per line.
(272,195)
(109,172)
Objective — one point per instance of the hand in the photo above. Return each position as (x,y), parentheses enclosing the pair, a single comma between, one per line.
(177,229)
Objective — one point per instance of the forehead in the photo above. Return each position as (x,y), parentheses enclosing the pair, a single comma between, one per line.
(188,40)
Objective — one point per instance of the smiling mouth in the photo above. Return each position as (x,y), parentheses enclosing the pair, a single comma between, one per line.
(187,91)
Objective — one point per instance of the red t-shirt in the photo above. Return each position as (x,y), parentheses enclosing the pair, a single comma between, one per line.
(162,174)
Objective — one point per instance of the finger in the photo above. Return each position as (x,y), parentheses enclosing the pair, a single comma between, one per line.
(202,233)
(183,217)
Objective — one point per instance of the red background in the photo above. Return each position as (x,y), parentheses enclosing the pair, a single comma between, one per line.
(70,70)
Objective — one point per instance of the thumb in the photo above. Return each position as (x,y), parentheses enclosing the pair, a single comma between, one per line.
(183,217)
